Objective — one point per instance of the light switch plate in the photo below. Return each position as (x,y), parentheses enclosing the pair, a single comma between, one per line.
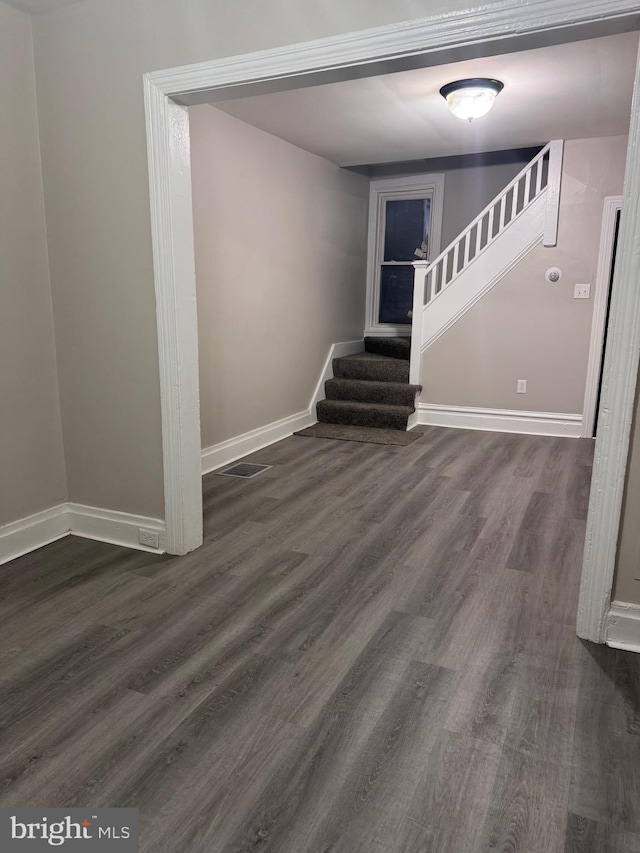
(581,291)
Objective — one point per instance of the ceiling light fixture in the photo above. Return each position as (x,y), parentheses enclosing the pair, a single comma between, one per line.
(471,98)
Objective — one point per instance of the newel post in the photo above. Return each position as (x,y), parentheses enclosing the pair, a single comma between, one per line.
(419,279)
(554,179)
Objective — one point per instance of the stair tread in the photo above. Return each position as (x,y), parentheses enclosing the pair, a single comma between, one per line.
(374,435)
(390,346)
(357,404)
(371,391)
(377,383)
(370,356)
(369,366)
(396,339)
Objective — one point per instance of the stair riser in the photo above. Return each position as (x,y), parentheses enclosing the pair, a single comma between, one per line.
(386,420)
(375,371)
(387,393)
(391,347)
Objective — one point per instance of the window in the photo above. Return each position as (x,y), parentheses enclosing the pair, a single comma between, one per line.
(405,216)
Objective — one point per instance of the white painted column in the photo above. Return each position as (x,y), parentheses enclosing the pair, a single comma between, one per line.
(554,178)
(419,278)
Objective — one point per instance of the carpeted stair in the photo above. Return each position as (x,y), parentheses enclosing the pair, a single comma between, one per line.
(363,391)
(371,367)
(378,415)
(367,435)
(370,391)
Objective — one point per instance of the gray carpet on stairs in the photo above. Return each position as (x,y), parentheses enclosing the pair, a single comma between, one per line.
(391,347)
(363,414)
(344,432)
(370,390)
(371,367)
(361,391)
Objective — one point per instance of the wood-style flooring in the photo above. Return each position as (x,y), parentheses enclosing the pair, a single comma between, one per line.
(374,650)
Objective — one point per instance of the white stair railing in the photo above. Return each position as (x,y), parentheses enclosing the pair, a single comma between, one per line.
(540,175)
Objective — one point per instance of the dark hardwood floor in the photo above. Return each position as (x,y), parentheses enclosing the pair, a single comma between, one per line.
(373,651)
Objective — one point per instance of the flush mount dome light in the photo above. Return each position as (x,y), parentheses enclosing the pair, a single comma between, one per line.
(472,98)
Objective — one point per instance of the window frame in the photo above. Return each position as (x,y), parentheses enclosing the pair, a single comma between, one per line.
(392,189)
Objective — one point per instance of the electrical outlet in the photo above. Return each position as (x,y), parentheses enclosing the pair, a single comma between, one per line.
(521,386)
(581,291)
(148,538)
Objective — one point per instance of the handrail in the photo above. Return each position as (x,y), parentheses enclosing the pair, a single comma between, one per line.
(486,234)
(492,204)
(541,175)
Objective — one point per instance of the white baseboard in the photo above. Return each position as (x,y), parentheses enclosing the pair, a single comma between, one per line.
(500,420)
(242,445)
(623,626)
(229,451)
(33,532)
(337,351)
(118,528)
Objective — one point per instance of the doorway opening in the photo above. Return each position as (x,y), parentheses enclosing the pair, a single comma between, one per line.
(606,320)
(603,291)
(429,41)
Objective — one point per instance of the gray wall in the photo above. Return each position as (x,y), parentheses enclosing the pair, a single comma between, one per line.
(90,58)
(471,182)
(31,457)
(525,327)
(280,241)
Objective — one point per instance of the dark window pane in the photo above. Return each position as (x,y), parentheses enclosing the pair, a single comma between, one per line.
(396,294)
(406,223)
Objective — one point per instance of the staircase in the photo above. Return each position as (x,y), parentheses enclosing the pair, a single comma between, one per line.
(370,389)
(372,394)
(522,216)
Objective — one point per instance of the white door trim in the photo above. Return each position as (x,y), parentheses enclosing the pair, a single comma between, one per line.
(617,401)
(612,204)
(380,191)
(169,158)
(508,24)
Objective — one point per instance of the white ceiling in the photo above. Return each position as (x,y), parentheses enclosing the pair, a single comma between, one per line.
(569,91)
(35,7)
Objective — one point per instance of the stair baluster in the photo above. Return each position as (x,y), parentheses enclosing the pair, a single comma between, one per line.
(540,176)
